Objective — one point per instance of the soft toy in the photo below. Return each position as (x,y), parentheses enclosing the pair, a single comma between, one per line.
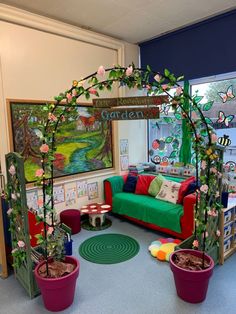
(163,247)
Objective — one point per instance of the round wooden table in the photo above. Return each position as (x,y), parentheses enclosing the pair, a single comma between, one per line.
(96,212)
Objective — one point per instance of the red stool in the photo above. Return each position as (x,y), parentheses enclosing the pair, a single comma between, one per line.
(71,218)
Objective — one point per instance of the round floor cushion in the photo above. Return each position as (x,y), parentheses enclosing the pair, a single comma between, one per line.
(71,218)
(163,247)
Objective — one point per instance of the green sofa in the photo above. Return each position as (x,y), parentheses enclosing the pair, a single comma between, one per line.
(173,219)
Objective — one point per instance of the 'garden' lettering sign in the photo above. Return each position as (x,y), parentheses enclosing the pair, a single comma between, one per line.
(103,114)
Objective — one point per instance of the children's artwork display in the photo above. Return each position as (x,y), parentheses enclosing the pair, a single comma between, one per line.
(83,144)
(124,147)
(124,162)
(82,189)
(92,190)
(59,194)
(70,196)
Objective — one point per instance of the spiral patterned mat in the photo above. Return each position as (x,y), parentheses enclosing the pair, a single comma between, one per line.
(109,248)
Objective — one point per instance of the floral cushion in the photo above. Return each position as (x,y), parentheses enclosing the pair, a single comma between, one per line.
(169,191)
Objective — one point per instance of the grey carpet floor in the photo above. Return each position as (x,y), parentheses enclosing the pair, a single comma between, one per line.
(141,285)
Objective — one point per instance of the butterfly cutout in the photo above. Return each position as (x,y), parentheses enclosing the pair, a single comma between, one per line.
(224,119)
(228,95)
(165,109)
(87,121)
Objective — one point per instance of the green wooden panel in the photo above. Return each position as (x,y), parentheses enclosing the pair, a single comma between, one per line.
(19,224)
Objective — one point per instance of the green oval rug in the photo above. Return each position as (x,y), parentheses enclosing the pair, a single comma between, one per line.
(109,248)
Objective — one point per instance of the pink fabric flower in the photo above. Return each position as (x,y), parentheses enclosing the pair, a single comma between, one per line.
(52,117)
(44,148)
(148,87)
(21,244)
(63,119)
(219,174)
(74,92)
(9,211)
(195,243)
(157,78)
(13,196)
(213,170)
(40,202)
(164,87)
(101,71)
(203,164)
(194,115)
(129,71)
(179,90)
(12,170)
(92,91)
(69,97)
(212,212)
(50,230)
(218,233)
(204,188)
(213,138)
(39,172)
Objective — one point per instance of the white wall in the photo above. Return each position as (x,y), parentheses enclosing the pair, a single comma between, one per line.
(39,59)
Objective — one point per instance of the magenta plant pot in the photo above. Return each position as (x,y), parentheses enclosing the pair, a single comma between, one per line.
(191,286)
(58,293)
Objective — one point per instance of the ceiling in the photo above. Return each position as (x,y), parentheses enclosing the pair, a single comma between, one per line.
(134,21)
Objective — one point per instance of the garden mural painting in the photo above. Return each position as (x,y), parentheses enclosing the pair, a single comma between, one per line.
(83,144)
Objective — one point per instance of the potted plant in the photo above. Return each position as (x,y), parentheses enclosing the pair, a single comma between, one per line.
(192,268)
(56,275)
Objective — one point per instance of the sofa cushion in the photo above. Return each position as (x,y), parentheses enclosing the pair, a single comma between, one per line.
(130,184)
(143,184)
(183,189)
(155,185)
(149,209)
(169,191)
(192,187)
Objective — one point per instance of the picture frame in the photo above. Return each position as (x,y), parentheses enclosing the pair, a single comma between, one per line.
(124,147)
(124,162)
(83,144)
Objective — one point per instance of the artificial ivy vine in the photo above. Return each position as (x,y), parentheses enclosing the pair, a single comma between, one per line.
(204,142)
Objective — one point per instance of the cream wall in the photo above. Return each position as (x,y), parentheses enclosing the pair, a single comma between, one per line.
(39,59)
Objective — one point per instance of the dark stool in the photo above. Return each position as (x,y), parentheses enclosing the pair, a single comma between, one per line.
(71,218)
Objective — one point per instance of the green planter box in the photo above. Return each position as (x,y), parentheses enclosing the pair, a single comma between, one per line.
(187,244)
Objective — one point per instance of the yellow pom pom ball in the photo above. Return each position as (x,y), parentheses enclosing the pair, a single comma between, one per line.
(154,251)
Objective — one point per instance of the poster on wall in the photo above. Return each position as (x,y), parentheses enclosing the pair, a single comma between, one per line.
(124,147)
(70,196)
(82,188)
(79,137)
(124,162)
(32,200)
(92,190)
(59,194)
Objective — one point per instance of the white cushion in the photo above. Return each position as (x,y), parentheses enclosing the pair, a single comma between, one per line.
(169,191)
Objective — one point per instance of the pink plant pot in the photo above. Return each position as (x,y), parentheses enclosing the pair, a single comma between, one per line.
(58,293)
(191,286)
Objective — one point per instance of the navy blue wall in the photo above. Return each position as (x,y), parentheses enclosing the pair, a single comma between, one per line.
(203,49)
